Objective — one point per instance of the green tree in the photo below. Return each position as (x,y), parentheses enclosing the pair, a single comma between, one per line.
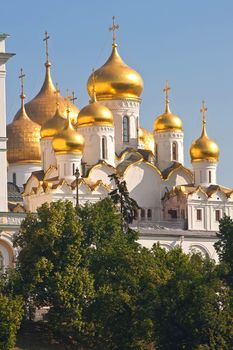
(224,245)
(51,267)
(11,314)
(192,306)
(121,198)
(124,278)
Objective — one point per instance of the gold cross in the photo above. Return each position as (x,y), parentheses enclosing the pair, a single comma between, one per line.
(166,89)
(22,76)
(73,97)
(203,110)
(113,29)
(57,92)
(46,39)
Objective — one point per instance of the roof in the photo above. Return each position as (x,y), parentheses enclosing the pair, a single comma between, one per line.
(14,193)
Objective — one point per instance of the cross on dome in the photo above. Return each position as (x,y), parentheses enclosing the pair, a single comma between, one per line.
(73,97)
(21,77)
(46,39)
(113,29)
(166,90)
(203,110)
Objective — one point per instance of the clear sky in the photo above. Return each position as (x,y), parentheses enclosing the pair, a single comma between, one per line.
(188,42)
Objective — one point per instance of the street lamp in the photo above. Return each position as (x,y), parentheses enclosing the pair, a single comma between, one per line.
(77,175)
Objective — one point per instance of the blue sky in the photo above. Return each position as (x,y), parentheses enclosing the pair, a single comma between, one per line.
(188,42)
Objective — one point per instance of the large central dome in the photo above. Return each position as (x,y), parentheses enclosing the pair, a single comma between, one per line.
(115,80)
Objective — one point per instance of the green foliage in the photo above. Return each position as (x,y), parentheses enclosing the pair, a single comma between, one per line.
(120,197)
(11,313)
(192,308)
(224,245)
(51,266)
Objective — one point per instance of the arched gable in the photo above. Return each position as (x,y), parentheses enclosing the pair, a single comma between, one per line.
(101,171)
(144,184)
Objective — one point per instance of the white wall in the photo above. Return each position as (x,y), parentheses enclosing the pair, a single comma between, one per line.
(22,171)
(47,153)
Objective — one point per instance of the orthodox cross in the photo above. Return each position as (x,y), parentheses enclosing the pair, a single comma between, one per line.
(203,110)
(57,91)
(73,97)
(113,29)
(21,77)
(166,90)
(46,39)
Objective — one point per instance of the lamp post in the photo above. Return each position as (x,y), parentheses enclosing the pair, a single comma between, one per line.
(77,175)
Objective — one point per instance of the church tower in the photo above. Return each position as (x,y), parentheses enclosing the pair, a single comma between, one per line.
(204,154)
(119,88)
(4,57)
(168,136)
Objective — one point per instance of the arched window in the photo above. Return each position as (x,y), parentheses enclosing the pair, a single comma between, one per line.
(210,178)
(125,128)
(174,151)
(142,214)
(14,178)
(65,169)
(149,214)
(104,156)
(73,168)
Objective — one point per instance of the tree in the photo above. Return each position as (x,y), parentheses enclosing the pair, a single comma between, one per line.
(192,307)
(124,277)
(224,245)
(120,197)
(51,267)
(11,314)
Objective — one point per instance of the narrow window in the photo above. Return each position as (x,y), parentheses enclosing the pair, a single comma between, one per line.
(135,214)
(73,168)
(200,176)
(199,214)
(149,214)
(182,213)
(125,128)
(64,169)
(14,178)
(210,179)
(174,151)
(142,214)
(217,215)
(103,148)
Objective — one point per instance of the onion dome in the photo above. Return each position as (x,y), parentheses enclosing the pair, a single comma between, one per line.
(43,106)
(167,121)
(23,145)
(116,80)
(204,148)
(146,139)
(95,113)
(68,140)
(53,126)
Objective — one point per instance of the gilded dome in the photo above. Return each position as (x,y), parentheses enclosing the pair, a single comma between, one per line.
(53,126)
(204,148)
(116,80)
(68,140)
(94,113)
(146,139)
(23,145)
(43,106)
(168,121)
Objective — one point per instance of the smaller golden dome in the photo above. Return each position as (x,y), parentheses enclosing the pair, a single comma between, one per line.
(23,145)
(68,140)
(204,148)
(167,121)
(53,126)
(94,114)
(146,139)
(116,80)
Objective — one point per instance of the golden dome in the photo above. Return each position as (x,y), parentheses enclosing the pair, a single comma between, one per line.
(53,126)
(146,139)
(167,121)
(43,106)
(23,145)
(204,148)
(94,114)
(68,140)
(116,80)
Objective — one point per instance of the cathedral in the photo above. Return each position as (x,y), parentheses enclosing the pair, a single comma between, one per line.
(53,151)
